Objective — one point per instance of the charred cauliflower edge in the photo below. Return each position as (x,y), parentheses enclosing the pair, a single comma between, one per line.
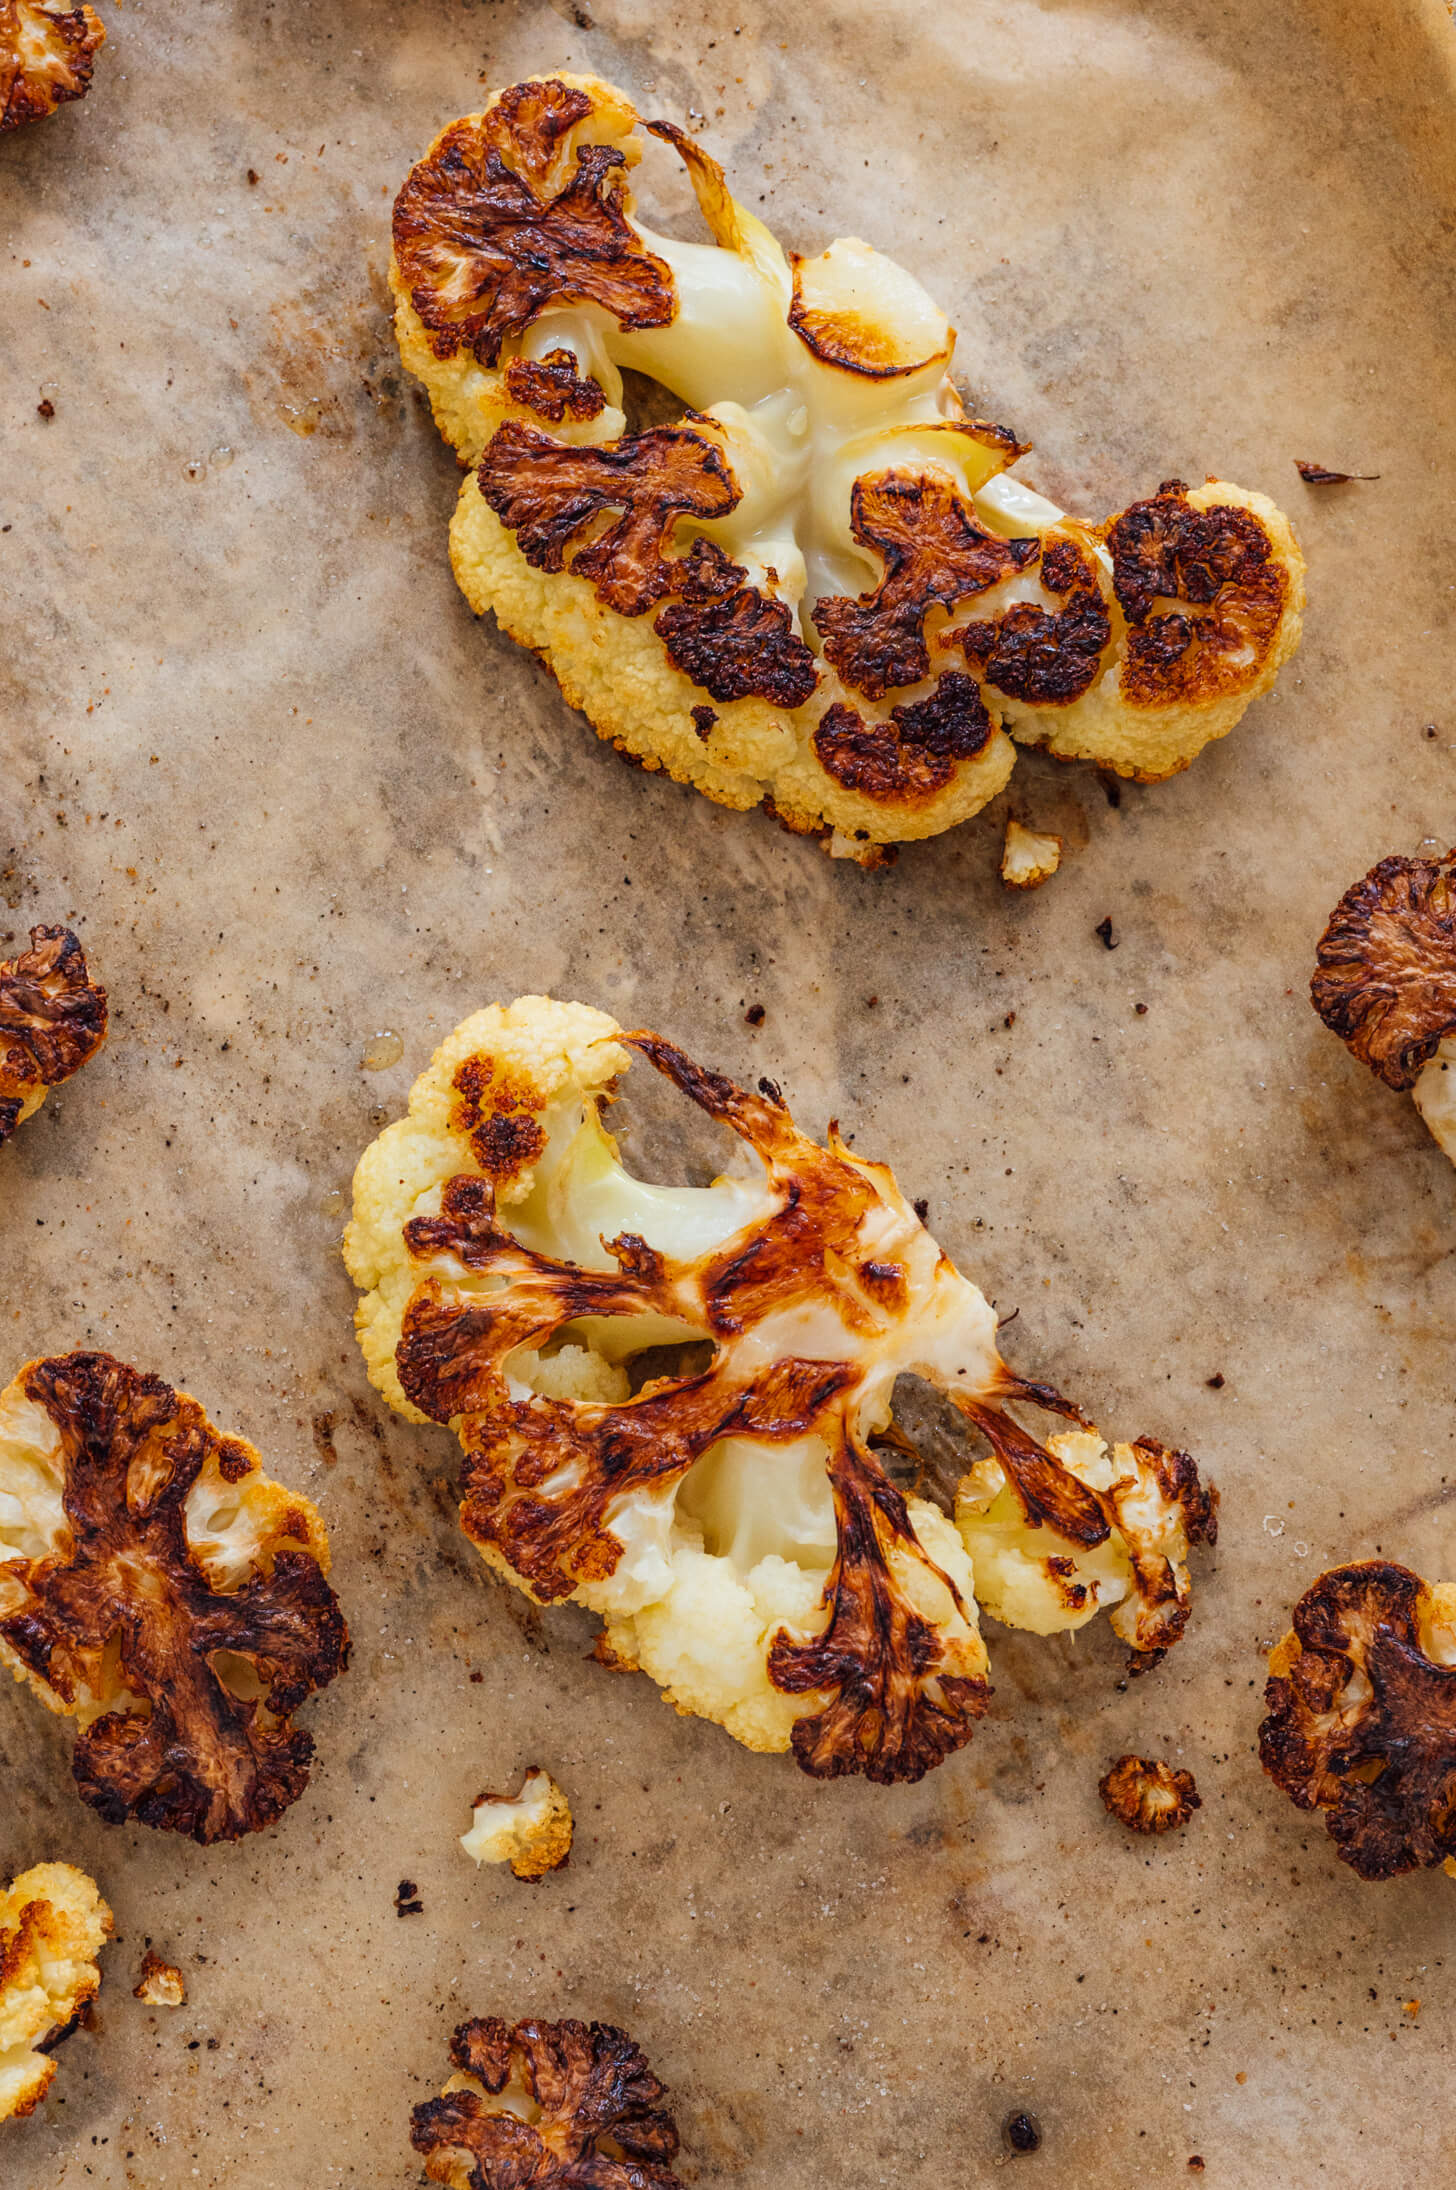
(158,1588)
(47,55)
(822,591)
(578,2104)
(738,1526)
(1361,1722)
(53,1924)
(52,1021)
(1385,981)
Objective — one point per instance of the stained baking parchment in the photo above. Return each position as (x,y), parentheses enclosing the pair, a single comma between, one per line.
(293,797)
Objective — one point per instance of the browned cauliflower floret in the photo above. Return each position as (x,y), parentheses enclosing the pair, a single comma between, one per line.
(737,1521)
(822,590)
(47,53)
(531,1830)
(1385,981)
(52,1021)
(1362,1716)
(1149,1796)
(573,2105)
(160,1984)
(158,1588)
(53,1923)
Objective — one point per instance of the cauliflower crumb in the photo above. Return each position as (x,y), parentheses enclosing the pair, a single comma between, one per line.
(1361,1721)
(531,1830)
(1028,858)
(1149,1796)
(160,1984)
(743,1521)
(825,546)
(53,1923)
(47,54)
(550,2104)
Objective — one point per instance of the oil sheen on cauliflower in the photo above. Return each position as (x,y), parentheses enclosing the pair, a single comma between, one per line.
(821,590)
(53,1923)
(736,1519)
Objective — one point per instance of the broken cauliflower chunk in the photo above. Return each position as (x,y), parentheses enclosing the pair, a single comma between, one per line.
(53,1924)
(822,590)
(52,1021)
(531,1830)
(1362,1716)
(569,2104)
(1028,858)
(158,1588)
(160,1984)
(47,54)
(1148,1796)
(736,1518)
(1385,981)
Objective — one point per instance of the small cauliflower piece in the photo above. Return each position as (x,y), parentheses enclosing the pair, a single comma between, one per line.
(550,2104)
(822,591)
(1028,858)
(1385,981)
(1149,1796)
(160,1984)
(52,1021)
(47,54)
(736,1517)
(1361,1721)
(158,1588)
(531,1830)
(53,1924)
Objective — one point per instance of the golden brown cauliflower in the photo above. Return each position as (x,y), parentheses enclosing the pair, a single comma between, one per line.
(159,1589)
(1362,1716)
(47,54)
(737,1522)
(558,2106)
(821,590)
(531,1830)
(52,1021)
(160,1984)
(1385,981)
(1147,1795)
(53,1923)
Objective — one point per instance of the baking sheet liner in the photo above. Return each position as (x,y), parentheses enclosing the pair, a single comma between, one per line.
(293,797)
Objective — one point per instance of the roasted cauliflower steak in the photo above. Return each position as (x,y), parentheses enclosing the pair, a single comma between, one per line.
(158,1588)
(52,1021)
(1385,981)
(822,590)
(47,54)
(566,2104)
(737,1522)
(53,1924)
(1361,1722)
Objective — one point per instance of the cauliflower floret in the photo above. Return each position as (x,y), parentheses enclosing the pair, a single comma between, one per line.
(550,2104)
(1385,981)
(735,1523)
(531,1830)
(47,54)
(1362,1716)
(1148,1796)
(160,1984)
(1028,858)
(158,1588)
(52,1021)
(822,591)
(53,1923)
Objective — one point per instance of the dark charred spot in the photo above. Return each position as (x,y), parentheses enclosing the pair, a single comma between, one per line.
(1046,659)
(704,721)
(913,755)
(738,645)
(1362,1724)
(551,387)
(34,84)
(485,241)
(52,1019)
(1219,561)
(603,2120)
(1319,475)
(496,1116)
(1148,1796)
(1386,966)
(1020,2134)
(935,554)
(202,1760)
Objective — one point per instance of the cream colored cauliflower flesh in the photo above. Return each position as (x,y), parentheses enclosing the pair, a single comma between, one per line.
(53,1923)
(862,596)
(515,1271)
(531,1830)
(1028,857)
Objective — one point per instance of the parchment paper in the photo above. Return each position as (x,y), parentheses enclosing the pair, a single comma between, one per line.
(292,796)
